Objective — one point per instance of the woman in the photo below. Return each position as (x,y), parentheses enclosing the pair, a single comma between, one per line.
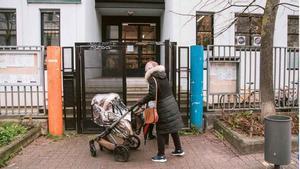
(170,121)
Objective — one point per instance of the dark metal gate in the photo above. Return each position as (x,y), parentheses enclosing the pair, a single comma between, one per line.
(101,68)
(69,100)
(183,83)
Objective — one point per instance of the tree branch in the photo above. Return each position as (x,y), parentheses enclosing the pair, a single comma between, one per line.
(234,21)
(241,6)
(285,4)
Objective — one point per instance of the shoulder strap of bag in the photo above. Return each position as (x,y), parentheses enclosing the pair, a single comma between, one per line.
(156,91)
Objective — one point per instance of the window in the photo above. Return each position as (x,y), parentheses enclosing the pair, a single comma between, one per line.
(248,29)
(293,31)
(50,27)
(8,27)
(204,30)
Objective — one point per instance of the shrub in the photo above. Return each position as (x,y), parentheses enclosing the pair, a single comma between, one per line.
(9,131)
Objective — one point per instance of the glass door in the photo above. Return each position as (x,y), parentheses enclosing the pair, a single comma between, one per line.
(138,55)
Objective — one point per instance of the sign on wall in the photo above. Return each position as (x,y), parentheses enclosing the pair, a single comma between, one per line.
(223,77)
(55,1)
(21,68)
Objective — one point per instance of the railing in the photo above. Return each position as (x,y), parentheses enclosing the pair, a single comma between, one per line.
(233,74)
(22,99)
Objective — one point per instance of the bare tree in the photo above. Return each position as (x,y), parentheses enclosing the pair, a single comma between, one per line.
(267,38)
(266,59)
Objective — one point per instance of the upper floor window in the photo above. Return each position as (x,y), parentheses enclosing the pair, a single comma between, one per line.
(50,28)
(293,31)
(8,35)
(248,29)
(204,30)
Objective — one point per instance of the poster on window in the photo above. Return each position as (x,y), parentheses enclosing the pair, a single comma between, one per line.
(20,68)
(223,77)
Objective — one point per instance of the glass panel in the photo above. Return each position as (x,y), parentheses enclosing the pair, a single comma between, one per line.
(51,28)
(132,61)
(293,25)
(131,49)
(149,49)
(204,23)
(51,20)
(147,58)
(242,24)
(112,32)
(256,23)
(204,38)
(8,28)
(51,39)
(130,32)
(293,40)
(148,32)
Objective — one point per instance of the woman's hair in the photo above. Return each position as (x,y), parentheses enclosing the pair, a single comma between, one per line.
(150,65)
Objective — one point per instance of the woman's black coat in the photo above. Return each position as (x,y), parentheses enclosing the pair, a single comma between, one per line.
(170,120)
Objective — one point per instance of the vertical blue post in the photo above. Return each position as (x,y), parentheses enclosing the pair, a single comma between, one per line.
(196,103)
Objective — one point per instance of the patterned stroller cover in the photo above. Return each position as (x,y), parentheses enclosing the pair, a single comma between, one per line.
(108,108)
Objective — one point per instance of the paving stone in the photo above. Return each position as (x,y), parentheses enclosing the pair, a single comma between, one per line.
(202,152)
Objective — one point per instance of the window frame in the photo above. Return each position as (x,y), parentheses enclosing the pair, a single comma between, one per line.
(211,14)
(249,33)
(42,24)
(10,10)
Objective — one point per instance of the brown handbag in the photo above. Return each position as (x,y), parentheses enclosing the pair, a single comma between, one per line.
(150,114)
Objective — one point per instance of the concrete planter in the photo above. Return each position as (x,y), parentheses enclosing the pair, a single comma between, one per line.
(244,144)
(16,145)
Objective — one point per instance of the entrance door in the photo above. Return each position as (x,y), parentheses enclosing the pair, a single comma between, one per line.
(138,55)
(134,31)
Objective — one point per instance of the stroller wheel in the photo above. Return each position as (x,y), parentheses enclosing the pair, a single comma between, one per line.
(92,148)
(121,153)
(133,142)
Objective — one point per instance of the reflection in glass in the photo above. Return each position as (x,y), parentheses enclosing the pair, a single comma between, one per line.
(7,27)
(130,32)
(112,32)
(148,32)
(50,28)
(204,30)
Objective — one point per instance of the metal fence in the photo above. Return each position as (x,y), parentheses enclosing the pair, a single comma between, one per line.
(23,99)
(233,74)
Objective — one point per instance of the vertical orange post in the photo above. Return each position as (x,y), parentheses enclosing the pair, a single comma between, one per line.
(55,118)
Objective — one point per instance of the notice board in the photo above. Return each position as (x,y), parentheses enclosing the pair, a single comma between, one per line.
(21,68)
(223,77)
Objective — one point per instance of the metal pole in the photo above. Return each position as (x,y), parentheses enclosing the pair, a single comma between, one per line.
(197,58)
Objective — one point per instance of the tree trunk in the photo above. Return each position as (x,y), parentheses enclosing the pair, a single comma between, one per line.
(266,59)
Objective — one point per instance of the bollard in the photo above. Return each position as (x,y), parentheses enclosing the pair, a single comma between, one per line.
(55,118)
(196,103)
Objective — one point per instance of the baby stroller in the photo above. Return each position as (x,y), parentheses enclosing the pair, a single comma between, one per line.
(114,119)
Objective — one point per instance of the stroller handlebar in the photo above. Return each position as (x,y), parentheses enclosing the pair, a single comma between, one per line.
(133,107)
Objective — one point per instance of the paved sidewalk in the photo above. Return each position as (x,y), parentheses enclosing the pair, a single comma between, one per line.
(202,152)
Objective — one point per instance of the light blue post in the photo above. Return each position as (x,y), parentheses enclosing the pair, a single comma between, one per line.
(196,103)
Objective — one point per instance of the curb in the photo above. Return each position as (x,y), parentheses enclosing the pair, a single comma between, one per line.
(244,144)
(15,146)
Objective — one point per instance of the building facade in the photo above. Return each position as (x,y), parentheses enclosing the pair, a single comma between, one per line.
(65,22)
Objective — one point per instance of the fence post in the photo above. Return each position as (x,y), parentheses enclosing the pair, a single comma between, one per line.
(196,103)
(55,119)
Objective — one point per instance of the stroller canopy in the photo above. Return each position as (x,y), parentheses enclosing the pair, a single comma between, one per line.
(107,108)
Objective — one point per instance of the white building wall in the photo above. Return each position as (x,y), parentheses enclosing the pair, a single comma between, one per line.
(79,22)
(179,20)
